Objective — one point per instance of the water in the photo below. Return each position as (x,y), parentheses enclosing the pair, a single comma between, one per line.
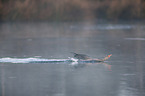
(121,75)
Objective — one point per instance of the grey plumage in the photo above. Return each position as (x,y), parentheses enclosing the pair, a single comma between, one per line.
(80,56)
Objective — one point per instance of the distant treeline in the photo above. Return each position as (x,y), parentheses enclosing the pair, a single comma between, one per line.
(32,10)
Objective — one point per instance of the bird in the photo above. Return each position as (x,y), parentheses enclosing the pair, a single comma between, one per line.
(80,56)
(86,57)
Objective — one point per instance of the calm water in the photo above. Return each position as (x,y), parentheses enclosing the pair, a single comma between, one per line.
(121,75)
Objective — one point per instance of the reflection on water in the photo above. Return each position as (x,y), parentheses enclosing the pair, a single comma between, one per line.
(121,75)
(77,65)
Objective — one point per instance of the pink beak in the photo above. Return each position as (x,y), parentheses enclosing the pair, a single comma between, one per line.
(110,55)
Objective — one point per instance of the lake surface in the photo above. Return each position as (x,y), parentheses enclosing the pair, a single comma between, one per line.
(121,75)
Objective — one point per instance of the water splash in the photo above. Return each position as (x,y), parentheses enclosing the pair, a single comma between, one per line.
(32,60)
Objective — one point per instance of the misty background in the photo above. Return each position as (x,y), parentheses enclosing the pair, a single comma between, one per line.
(71,10)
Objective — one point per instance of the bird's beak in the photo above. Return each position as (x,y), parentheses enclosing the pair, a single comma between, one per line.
(109,55)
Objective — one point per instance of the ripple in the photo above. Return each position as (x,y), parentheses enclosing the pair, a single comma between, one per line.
(134,38)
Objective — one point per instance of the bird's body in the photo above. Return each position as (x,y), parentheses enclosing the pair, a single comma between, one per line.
(86,57)
(80,56)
